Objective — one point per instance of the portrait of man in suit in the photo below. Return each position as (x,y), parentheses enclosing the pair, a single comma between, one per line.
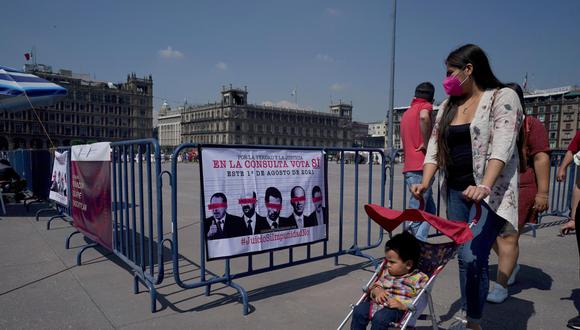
(319,216)
(222,224)
(273,201)
(255,223)
(298,202)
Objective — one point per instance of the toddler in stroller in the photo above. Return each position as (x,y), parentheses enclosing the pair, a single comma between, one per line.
(432,259)
(393,292)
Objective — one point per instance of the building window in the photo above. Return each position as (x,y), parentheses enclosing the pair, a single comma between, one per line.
(552,144)
(529,110)
(554,117)
(541,109)
(542,117)
(555,108)
(568,126)
(554,126)
(553,135)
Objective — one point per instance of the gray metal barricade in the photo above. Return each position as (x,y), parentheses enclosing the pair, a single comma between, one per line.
(362,239)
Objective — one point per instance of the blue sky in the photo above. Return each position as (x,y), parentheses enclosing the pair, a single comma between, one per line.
(326,49)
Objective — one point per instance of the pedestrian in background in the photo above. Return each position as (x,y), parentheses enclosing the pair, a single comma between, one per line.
(533,199)
(415,132)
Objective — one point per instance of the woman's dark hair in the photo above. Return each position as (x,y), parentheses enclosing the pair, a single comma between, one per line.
(483,78)
(406,246)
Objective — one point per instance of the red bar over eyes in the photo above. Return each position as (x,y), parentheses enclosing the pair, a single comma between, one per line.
(316,199)
(298,199)
(247,201)
(274,206)
(214,206)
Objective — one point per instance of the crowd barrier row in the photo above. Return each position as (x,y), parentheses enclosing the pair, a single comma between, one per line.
(137,207)
(560,193)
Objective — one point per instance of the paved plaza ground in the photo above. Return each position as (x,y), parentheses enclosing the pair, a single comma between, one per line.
(42,288)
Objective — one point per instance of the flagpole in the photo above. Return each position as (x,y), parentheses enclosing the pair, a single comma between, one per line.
(390,100)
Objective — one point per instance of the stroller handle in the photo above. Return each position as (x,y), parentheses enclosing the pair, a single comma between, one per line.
(473,222)
(477,215)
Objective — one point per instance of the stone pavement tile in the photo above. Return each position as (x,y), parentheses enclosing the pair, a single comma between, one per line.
(16,241)
(57,302)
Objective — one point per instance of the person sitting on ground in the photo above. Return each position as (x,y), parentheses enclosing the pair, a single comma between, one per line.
(10,181)
(393,293)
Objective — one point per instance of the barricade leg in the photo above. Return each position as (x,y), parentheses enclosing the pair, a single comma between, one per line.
(84,248)
(153,295)
(135,283)
(244,295)
(44,210)
(58,216)
(67,243)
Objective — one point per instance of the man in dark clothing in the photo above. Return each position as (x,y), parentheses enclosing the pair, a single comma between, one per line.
(254,222)
(221,224)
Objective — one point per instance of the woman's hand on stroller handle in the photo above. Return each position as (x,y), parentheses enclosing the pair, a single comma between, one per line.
(418,190)
(476,193)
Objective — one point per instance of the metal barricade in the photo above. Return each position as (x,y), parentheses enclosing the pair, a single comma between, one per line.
(62,212)
(137,218)
(362,239)
(560,193)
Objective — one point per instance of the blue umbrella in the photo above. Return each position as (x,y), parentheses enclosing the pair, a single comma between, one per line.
(22,91)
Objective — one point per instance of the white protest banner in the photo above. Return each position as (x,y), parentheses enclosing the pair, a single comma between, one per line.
(60,178)
(262,199)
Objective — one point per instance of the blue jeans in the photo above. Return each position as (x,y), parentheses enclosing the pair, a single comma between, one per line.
(381,320)
(473,256)
(419,229)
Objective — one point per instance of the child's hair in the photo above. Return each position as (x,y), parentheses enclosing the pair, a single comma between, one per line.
(406,246)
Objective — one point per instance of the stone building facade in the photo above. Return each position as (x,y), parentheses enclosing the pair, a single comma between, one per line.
(559,110)
(169,126)
(234,121)
(92,111)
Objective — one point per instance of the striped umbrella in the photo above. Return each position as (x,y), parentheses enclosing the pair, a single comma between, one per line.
(21,90)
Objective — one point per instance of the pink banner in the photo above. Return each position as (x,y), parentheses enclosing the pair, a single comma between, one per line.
(91,192)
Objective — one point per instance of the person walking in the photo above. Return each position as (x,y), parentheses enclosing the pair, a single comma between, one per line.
(533,199)
(573,148)
(415,132)
(474,143)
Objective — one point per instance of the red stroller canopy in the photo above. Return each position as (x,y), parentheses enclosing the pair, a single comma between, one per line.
(389,219)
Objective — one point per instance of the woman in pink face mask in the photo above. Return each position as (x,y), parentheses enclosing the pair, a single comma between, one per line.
(473,143)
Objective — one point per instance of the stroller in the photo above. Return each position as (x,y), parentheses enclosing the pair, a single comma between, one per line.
(434,256)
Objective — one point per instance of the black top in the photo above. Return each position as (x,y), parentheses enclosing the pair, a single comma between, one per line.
(460,169)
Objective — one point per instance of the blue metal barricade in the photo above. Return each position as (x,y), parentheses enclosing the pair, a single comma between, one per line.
(361,240)
(137,231)
(63,211)
(560,193)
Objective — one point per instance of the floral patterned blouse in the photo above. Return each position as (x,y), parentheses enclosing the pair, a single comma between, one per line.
(494,130)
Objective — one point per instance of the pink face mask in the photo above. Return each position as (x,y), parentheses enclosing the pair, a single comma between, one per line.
(452,85)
